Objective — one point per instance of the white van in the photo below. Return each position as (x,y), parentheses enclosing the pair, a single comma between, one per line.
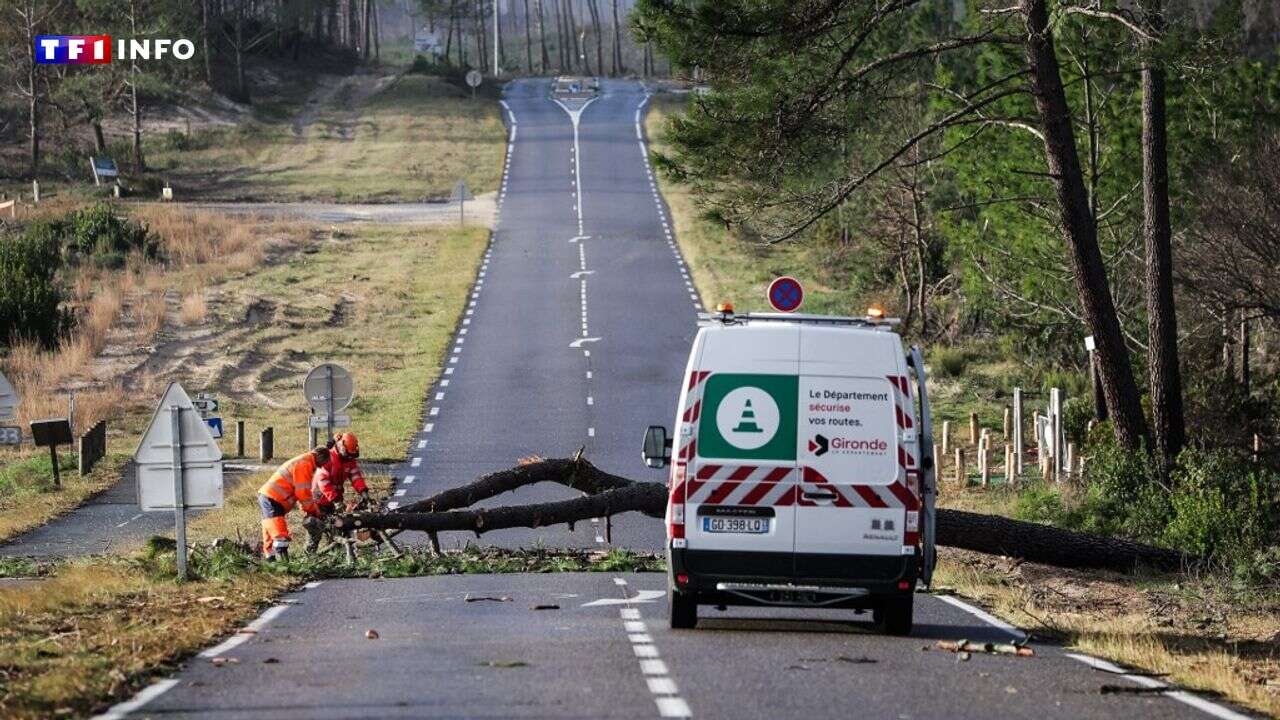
(803,471)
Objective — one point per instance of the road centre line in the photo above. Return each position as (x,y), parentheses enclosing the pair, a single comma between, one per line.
(656,674)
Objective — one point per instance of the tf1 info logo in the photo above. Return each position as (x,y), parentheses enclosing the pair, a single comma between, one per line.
(97,49)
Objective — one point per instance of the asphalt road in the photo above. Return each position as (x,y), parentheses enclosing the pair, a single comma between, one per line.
(597,656)
(521,380)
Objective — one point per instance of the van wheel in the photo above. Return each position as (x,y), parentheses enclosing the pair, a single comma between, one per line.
(893,616)
(683,609)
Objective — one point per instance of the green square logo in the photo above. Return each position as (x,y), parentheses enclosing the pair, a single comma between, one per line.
(749,417)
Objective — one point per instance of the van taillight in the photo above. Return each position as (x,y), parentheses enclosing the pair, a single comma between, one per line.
(676,527)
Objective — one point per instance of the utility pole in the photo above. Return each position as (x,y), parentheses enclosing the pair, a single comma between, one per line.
(495,38)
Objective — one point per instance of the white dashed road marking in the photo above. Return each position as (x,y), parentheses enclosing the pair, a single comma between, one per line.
(657,677)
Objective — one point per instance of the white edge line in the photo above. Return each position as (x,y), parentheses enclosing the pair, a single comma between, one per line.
(982,615)
(1206,706)
(144,696)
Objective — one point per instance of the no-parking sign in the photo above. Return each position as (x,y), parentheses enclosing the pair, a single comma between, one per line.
(786,294)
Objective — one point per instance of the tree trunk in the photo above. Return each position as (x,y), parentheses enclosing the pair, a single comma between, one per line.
(204,39)
(572,22)
(99,138)
(377,33)
(595,20)
(618,68)
(542,39)
(561,63)
(139,163)
(528,40)
(1080,231)
(1168,428)
(1246,373)
(608,494)
(366,18)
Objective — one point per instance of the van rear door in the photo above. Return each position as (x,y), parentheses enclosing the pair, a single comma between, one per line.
(740,491)
(853,499)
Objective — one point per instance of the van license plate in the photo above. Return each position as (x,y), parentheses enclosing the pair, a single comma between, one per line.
(753,526)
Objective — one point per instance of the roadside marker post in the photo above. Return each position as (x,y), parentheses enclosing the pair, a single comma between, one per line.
(461,194)
(9,434)
(179,465)
(474,78)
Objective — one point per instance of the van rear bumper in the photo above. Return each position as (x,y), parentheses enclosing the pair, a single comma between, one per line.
(878,575)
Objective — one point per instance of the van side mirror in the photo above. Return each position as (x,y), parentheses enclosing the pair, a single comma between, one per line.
(657,447)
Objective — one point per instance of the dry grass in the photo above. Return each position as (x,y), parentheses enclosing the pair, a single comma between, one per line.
(1191,629)
(150,313)
(194,309)
(90,632)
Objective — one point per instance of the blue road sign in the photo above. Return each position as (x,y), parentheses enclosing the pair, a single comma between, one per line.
(215,426)
(785,294)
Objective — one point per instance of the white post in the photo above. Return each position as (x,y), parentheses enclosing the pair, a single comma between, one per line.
(328,372)
(179,497)
(1017,430)
(495,38)
(1055,417)
(35,192)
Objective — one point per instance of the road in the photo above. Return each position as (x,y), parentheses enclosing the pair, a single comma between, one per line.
(576,335)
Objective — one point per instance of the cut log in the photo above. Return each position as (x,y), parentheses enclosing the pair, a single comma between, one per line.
(608,494)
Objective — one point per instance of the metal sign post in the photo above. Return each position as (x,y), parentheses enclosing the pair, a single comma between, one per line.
(461,194)
(474,79)
(179,496)
(1055,417)
(1017,430)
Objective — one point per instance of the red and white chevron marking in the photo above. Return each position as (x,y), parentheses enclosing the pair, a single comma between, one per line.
(893,495)
(902,401)
(690,413)
(742,485)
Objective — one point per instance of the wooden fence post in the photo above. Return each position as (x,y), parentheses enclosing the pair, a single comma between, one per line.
(973,428)
(266,444)
(1008,421)
(946,437)
(961,476)
(1010,472)
(239,438)
(985,460)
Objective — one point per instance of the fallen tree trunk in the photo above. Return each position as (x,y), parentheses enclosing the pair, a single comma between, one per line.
(608,495)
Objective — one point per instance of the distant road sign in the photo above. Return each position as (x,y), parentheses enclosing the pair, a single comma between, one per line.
(206,405)
(193,457)
(461,193)
(10,435)
(786,294)
(103,167)
(8,399)
(474,78)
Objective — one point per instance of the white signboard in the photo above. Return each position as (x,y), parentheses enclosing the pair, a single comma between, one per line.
(321,421)
(199,455)
(8,399)
(847,430)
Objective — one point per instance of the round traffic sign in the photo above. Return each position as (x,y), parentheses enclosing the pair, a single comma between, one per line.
(473,78)
(785,294)
(326,382)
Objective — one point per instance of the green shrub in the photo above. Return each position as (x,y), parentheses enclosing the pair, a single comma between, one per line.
(30,297)
(98,236)
(1122,496)
(1224,506)
(1076,414)
(949,362)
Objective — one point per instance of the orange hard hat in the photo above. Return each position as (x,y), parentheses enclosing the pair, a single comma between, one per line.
(347,444)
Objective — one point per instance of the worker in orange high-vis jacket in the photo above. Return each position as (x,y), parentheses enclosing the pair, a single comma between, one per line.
(342,464)
(291,484)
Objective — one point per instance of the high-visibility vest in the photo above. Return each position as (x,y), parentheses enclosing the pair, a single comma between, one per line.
(291,482)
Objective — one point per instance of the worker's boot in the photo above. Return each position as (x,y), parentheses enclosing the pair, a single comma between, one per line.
(280,550)
(315,532)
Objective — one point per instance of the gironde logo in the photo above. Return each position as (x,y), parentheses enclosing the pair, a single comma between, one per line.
(749,416)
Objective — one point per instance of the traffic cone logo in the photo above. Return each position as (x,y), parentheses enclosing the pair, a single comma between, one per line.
(747,423)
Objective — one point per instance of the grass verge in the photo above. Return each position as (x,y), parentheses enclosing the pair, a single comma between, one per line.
(91,631)
(368,138)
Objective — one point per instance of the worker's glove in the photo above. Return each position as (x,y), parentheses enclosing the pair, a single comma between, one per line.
(325,509)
